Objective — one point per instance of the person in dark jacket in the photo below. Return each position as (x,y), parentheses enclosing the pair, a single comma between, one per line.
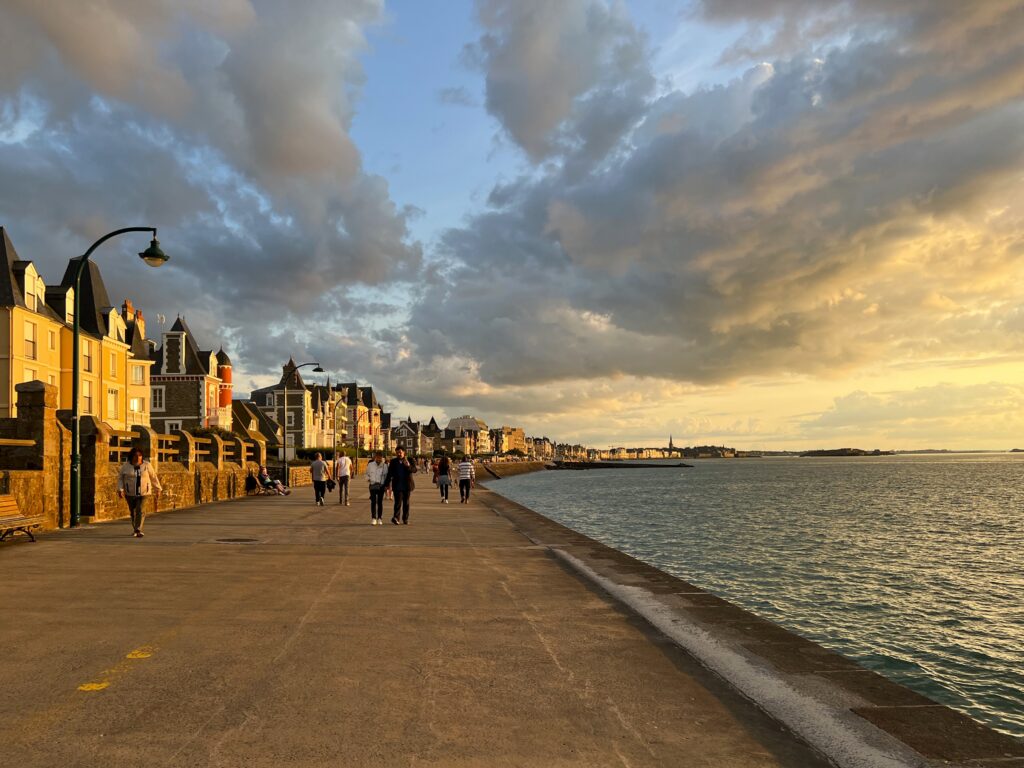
(399,479)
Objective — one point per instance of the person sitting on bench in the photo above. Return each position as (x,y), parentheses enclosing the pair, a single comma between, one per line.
(271,484)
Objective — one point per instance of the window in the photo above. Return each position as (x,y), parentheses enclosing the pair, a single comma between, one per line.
(137,405)
(112,403)
(51,379)
(87,396)
(30,374)
(158,398)
(53,340)
(87,355)
(30,295)
(173,426)
(290,440)
(113,365)
(30,340)
(138,374)
(291,418)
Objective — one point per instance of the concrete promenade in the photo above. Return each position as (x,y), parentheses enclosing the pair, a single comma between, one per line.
(454,641)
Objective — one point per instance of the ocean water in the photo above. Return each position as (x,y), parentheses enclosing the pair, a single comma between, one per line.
(911,565)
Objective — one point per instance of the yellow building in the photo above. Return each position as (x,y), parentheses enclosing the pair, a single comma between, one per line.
(36,342)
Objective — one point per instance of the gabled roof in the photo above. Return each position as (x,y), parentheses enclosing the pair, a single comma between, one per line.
(93,301)
(290,375)
(197,361)
(10,293)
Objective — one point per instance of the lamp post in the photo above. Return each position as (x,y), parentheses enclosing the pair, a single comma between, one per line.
(359,417)
(284,422)
(336,447)
(154,257)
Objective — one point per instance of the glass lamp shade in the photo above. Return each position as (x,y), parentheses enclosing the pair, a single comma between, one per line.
(153,255)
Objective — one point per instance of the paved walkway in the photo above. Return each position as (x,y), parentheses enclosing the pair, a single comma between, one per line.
(453,641)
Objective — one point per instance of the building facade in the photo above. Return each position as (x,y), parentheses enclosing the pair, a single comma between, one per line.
(36,342)
(190,388)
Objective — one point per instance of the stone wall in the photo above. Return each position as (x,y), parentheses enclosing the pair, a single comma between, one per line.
(507,469)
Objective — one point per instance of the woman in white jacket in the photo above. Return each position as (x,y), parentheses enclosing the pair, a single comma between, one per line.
(137,480)
(376,471)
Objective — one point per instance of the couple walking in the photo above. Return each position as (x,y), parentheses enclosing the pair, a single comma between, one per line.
(443,477)
(396,475)
(324,476)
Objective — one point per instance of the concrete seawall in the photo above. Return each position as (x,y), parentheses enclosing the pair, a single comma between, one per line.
(853,715)
(509,469)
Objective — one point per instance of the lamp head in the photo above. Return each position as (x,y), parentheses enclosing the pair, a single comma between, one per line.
(153,255)
(318,369)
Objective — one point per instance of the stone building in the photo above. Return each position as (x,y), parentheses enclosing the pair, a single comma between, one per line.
(36,342)
(190,387)
(364,417)
(508,439)
(478,436)
(308,420)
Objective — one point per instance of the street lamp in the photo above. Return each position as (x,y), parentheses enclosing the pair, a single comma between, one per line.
(359,417)
(154,257)
(340,401)
(284,422)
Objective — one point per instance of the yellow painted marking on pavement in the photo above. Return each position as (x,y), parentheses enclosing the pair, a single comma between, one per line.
(142,652)
(93,686)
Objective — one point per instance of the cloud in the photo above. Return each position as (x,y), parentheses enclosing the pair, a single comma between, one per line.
(200,119)
(562,77)
(458,97)
(977,414)
(851,203)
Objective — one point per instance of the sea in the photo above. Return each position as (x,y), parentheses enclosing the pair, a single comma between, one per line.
(912,565)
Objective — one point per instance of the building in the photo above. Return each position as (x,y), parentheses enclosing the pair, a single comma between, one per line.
(252,423)
(408,436)
(364,417)
(385,433)
(327,404)
(288,403)
(477,437)
(190,388)
(36,342)
(508,439)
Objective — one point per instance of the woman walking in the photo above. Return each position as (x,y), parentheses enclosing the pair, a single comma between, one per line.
(467,478)
(444,478)
(376,471)
(135,482)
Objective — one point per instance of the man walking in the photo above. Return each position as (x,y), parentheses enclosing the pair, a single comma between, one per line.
(320,471)
(399,479)
(467,477)
(376,473)
(343,469)
(137,480)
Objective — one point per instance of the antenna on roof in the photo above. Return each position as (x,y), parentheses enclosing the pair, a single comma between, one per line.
(161,319)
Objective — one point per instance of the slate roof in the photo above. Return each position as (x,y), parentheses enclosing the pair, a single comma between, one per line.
(197,361)
(222,357)
(10,293)
(268,427)
(93,301)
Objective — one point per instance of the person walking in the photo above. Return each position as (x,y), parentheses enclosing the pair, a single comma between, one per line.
(343,469)
(400,479)
(320,471)
(467,478)
(137,480)
(444,478)
(376,473)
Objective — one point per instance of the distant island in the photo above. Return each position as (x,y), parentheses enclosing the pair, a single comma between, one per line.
(847,452)
(1017,450)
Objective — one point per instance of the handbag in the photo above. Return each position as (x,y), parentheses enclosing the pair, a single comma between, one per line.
(330,485)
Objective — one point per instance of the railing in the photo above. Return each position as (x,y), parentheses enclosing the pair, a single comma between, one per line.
(11,443)
(230,451)
(202,448)
(120,445)
(167,448)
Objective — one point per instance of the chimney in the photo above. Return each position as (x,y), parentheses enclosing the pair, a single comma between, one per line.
(140,323)
(127,311)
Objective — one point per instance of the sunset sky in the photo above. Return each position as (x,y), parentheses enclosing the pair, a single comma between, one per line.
(795,226)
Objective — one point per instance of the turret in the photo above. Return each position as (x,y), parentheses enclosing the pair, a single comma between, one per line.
(224,374)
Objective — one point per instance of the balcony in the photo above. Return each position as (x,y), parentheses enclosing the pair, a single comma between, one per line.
(219,417)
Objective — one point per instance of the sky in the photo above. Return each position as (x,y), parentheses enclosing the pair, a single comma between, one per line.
(774,225)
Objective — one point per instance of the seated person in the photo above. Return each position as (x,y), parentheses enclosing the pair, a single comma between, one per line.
(268,482)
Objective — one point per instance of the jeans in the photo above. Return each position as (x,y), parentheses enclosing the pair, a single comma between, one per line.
(135,510)
(343,489)
(320,489)
(444,490)
(376,503)
(402,505)
(464,486)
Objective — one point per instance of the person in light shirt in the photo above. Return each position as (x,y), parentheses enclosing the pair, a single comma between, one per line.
(376,471)
(342,471)
(137,481)
(467,478)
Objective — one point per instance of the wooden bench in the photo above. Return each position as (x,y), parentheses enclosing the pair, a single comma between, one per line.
(12,521)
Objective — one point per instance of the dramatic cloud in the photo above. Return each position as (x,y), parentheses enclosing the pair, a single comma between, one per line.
(854,201)
(224,124)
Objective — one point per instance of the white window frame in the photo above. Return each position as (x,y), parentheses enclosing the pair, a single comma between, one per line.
(31,340)
(157,393)
(173,426)
(137,404)
(30,374)
(52,340)
(87,355)
(51,380)
(87,397)
(113,365)
(289,418)
(114,412)
(141,371)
